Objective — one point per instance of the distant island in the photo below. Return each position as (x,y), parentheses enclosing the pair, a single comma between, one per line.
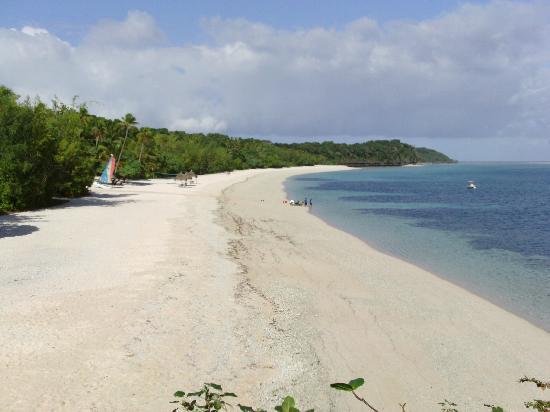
(57,150)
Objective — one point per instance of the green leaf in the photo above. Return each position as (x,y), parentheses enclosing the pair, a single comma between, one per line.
(356,383)
(179,394)
(494,408)
(214,385)
(341,386)
(199,393)
(288,404)
(229,394)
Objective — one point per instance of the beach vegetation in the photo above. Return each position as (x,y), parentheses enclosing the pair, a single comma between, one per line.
(372,153)
(351,386)
(73,162)
(448,406)
(128,121)
(537,404)
(432,156)
(495,408)
(211,398)
(27,153)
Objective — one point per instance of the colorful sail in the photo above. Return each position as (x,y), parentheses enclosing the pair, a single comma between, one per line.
(108,172)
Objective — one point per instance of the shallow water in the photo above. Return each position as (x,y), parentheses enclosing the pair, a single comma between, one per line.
(494,241)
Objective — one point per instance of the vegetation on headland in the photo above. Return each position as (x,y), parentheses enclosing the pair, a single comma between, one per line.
(56,150)
(433,156)
(211,398)
(372,153)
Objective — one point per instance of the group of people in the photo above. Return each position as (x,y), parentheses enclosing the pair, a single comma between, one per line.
(299,202)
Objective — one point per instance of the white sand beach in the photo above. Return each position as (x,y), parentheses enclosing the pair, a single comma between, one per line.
(114,301)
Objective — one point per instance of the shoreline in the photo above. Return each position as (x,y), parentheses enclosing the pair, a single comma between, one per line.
(468,287)
(115,301)
(437,274)
(470,396)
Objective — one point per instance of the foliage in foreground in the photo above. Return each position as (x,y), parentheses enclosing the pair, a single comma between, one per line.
(43,152)
(212,398)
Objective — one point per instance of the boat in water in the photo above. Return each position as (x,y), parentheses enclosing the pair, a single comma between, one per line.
(471,185)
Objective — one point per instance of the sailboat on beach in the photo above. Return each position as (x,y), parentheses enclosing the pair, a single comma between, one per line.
(108,174)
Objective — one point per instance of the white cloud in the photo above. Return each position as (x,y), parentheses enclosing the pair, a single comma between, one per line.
(33,31)
(478,71)
(137,31)
(198,125)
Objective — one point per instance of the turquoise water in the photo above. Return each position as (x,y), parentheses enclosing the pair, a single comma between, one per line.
(493,241)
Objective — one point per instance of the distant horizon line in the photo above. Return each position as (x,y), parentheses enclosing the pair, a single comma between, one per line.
(503,161)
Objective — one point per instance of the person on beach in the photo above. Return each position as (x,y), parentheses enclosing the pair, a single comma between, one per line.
(305,201)
(310,202)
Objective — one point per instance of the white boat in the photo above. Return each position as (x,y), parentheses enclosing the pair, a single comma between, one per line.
(471,185)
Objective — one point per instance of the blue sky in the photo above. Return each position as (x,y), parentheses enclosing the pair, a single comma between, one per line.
(180,19)
(469,78)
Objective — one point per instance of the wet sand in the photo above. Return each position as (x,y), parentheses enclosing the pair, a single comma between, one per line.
(330,308)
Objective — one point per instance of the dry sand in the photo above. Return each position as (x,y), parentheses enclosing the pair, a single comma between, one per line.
(113,302)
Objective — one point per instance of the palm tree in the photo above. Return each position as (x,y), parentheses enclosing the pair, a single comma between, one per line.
(98,132)
(128,121)
(144,137)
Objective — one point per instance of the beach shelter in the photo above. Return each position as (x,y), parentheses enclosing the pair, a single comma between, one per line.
(182,177)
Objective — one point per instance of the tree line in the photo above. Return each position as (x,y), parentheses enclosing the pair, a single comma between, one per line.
(56,150)
(371,153)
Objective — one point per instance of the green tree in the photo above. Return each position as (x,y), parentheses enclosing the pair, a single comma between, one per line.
(74,162)
(26,155)
(128,121)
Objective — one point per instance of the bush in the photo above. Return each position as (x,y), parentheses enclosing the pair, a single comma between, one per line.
(212,398)
(131,170)
(26,155)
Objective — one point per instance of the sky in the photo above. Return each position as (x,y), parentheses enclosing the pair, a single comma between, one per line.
(469,78)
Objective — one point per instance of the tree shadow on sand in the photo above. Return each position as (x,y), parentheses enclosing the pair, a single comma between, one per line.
(98,199)
(138,183)
(13,225)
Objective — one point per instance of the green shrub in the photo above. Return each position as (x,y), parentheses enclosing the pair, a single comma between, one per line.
(27,151)
(211,398)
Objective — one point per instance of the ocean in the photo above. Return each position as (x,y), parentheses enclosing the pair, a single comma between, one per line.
(493,241)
